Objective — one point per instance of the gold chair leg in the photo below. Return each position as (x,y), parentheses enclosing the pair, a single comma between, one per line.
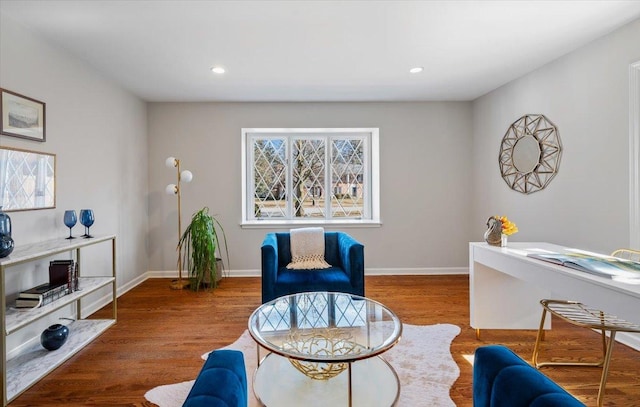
(478,333)
(539,338)
(604,344)
(605,368)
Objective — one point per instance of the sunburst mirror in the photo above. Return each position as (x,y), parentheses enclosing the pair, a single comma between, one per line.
(530,153)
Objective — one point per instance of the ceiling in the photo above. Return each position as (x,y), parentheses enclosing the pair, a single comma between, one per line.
(317,50)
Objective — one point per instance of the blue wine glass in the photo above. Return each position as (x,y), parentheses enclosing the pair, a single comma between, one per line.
(70,219)
(87,219)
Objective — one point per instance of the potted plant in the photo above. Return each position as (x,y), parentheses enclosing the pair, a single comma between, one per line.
(198,246)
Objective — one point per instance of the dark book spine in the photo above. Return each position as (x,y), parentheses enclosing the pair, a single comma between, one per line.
(70,278)
(76,278)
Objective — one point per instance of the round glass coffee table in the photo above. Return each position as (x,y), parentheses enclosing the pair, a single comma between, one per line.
(325,349)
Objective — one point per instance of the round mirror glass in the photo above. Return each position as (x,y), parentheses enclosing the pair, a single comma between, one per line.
(526,154)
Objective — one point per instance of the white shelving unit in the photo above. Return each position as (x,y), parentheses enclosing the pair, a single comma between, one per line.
(22,371)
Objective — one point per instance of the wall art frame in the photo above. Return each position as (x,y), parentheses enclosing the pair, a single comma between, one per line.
(27,179)
(530,153)
(22,116)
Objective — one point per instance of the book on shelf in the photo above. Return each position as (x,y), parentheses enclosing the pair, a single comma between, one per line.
(39,296)
(63,280)
(28,303)
(43,290)
(604,266)
(64,272)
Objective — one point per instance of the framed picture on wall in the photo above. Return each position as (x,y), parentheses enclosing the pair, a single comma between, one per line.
(22,116)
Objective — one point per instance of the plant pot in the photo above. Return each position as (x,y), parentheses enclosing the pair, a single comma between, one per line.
(219,268)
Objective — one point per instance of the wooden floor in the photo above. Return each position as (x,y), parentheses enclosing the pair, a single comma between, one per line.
(161,333)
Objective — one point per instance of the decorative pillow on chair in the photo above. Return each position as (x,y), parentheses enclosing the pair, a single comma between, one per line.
(307,249)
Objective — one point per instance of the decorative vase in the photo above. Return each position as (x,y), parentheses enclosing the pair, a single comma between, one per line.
(6,241)
(494,230)
(5,223)
(6,245)
(54,337)
(503,240)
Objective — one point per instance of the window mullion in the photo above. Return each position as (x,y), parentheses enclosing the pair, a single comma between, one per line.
(289,180)
(366,179)
(328,177)
(250,191)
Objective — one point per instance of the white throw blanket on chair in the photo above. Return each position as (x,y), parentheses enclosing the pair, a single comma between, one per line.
(307,249)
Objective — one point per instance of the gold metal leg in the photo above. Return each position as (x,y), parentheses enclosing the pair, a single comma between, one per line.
(478,333)
(605,368)
(539,338)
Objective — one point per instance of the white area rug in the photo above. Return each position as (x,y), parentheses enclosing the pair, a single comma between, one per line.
(422,360)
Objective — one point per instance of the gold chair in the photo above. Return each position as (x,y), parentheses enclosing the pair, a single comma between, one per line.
(581,315)
(628,254)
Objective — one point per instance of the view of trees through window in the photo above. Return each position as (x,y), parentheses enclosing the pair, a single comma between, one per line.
(308,176)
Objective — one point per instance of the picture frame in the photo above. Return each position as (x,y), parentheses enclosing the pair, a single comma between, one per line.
(28,179)
(22,116)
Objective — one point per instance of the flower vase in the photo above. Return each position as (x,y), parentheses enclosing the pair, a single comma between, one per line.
(503,240)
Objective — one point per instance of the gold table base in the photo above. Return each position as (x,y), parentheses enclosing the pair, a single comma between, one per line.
(328,342)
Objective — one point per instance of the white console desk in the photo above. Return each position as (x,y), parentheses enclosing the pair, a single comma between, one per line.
(506,286)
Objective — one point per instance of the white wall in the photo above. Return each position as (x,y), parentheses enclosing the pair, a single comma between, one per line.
(99,133)
(425,186)
(586,95)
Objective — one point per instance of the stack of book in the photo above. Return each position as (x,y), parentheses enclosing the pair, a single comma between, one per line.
(63,280)
(41,295)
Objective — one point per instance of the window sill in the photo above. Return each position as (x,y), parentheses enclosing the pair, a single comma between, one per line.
(270,224)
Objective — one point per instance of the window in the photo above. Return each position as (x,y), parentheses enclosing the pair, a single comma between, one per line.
(310,176)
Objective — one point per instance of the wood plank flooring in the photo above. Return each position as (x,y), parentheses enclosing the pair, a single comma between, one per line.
(161,333)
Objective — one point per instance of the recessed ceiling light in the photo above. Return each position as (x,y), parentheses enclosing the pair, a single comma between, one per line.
(417,69)
(217,69)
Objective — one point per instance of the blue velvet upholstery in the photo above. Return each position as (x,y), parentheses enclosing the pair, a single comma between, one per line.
(342,252)
(222,382)
(502,379)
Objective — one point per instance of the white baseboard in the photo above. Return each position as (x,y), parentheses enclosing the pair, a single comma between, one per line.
(431,271)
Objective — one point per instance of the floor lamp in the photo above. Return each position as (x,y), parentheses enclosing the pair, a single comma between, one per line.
(175,189)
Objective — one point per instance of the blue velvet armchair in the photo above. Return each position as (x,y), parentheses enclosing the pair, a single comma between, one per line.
(342,252)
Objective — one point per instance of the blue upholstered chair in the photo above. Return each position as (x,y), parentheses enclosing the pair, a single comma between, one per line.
(502,379)
(342,252)
(222,382)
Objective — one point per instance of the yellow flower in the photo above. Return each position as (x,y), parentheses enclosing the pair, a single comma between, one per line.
(508,227)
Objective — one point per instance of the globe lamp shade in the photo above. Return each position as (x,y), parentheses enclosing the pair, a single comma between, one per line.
(171,189)
(186,176)
(170,162)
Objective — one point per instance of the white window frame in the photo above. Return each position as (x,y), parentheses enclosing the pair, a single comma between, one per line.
(372,178)
(634,154)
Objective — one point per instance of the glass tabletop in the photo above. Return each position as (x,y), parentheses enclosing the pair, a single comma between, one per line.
(325,327)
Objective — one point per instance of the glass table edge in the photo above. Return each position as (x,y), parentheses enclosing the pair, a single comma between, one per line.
(388,343)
